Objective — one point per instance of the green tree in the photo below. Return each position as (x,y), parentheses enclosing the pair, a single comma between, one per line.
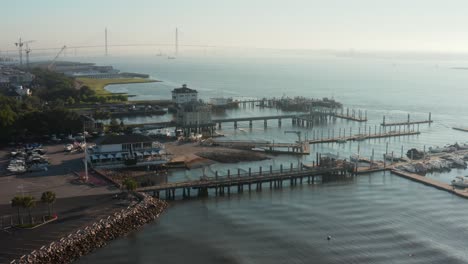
(17,202)
(114,125)
(29,203)
(70,100)
(130,184)
(7,116)
(48,198)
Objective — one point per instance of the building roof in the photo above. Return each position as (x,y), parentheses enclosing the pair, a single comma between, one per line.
(122,139)
(184,89)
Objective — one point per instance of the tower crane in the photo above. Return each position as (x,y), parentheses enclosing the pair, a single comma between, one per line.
(28,50)
(20,45)
(51,65)
(298,133)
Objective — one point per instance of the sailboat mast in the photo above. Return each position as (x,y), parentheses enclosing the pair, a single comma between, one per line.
(176,41)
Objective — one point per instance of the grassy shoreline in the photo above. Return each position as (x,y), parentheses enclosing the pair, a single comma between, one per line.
(98,85)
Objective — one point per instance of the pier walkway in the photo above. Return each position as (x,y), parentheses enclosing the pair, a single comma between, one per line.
(222,185)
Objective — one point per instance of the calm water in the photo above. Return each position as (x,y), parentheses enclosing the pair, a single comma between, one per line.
(374,218)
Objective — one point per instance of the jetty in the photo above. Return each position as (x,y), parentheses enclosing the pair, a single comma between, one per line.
(273,178)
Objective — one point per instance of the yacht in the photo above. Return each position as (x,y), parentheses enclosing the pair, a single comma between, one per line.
(460,181)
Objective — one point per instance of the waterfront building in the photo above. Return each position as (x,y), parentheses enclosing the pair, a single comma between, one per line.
(184,95)
(19,92)
(90,124)
(195,117)
(124,151)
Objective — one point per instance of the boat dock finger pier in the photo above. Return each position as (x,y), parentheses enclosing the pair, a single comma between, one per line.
(363,134)
(232,182)
(408,122)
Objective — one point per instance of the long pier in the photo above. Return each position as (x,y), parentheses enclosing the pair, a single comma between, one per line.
(222,185)
(254,118)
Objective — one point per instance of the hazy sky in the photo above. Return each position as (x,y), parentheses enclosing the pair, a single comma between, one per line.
(425,25)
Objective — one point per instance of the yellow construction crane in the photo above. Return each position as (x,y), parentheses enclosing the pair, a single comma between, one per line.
(298,133)
(51,65)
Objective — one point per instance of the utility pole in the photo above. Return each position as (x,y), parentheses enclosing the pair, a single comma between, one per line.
(105,37)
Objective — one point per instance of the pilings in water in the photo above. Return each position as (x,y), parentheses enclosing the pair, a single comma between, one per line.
(252,180)
(342,135)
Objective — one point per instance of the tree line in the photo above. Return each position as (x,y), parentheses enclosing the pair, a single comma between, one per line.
(28,202)
(45,112)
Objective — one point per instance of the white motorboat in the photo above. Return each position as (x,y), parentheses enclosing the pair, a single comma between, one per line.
(460,181)
(354,158)
(390,157)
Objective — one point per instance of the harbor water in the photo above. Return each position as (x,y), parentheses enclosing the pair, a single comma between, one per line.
(375,218)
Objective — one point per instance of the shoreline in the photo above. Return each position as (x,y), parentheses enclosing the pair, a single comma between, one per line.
(99,85)
(96,235)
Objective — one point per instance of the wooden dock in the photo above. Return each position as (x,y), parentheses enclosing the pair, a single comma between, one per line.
(222,185)
(431,182)
(360,137)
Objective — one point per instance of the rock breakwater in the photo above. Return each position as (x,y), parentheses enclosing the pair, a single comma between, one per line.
(97,235)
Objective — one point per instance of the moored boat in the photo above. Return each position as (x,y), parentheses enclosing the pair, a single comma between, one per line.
(460,181)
